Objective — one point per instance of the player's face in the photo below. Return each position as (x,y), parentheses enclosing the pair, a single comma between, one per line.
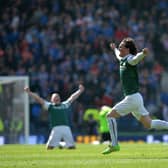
(55,98)
(123,50)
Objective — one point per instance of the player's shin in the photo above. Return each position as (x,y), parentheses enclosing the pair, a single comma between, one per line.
(113,130)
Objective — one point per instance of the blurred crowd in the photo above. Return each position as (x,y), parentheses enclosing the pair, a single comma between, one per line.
(61,43)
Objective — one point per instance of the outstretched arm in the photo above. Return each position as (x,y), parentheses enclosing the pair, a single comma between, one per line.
(136,59)
(34,95)
(76,94)
(116,51)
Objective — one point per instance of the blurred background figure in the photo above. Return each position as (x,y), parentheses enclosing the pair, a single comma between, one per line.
(103,124)
(91,121)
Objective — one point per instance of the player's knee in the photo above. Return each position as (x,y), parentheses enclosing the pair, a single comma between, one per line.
(111,113)
(108,114)
(146,121)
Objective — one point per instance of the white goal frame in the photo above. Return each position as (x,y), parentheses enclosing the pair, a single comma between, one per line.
(9,79)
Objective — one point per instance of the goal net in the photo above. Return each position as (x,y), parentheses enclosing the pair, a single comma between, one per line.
(14,109)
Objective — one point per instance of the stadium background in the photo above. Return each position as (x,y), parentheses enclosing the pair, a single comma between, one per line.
(60,43)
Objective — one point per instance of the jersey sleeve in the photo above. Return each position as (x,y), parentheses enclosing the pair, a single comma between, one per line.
(134,60)
(46,105)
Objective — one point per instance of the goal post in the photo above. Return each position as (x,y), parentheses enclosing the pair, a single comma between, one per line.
(14,109)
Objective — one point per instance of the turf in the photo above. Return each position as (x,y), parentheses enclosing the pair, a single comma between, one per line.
(85,156)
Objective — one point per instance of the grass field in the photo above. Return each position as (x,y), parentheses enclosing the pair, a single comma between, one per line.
(85,156)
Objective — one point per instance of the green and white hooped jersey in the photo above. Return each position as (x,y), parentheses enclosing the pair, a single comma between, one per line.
(58,114)
(128,76)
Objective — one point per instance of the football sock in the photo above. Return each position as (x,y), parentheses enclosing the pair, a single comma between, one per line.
(113,130)
(159,124)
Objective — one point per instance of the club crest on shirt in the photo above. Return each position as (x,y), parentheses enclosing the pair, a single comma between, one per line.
(123,65)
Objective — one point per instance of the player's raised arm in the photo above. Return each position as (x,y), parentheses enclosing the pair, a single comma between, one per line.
(139,56)
(116,51)
(76,94)
(34,95)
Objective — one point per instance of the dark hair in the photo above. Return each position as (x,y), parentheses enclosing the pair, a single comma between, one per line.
(129,43)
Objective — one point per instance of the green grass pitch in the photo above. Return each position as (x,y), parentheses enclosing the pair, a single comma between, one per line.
(85,156)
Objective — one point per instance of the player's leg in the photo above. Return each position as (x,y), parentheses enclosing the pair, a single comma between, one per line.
(68,138)
(111,118)
(153,124)
(105,136)
(113,132)
(120,109)
(143,116)
(54,138)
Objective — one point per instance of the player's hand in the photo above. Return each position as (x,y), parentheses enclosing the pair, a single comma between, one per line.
(27,89)
(81,88)
(145,51)
(112,46)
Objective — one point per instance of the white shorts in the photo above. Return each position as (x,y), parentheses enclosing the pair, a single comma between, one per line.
(58,133)
(131,104)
